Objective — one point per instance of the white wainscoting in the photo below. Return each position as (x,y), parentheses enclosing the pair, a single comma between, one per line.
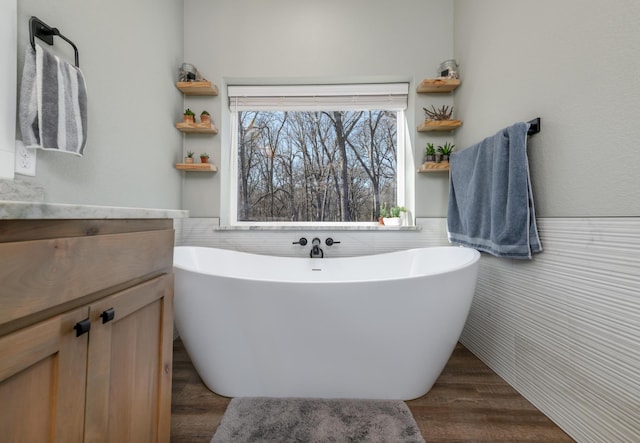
(564,329)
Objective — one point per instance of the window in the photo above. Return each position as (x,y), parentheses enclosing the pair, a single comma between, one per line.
(319,154)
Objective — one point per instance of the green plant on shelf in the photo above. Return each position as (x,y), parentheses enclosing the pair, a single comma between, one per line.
(430,149)
(390,212)
(446,149)
(430,153)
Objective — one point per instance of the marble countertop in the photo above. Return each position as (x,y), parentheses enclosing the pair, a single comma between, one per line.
(21,210)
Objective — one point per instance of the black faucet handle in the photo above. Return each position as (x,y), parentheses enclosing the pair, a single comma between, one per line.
(329,241)
(301,242)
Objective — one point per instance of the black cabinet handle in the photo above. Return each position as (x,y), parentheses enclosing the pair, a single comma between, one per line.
(108,315)
(82,327)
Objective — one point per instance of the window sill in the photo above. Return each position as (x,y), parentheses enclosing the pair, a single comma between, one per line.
(372,227)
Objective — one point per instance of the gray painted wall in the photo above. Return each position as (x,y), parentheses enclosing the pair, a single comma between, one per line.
(289,41)
(573,63)
(129,52)
(8,34)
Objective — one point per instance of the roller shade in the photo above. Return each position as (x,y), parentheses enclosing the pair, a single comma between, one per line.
(355,97)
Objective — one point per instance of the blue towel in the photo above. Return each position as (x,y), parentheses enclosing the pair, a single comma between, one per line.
(53,103)
(490,198)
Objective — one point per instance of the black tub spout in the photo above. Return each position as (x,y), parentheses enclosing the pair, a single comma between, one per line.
(316,250)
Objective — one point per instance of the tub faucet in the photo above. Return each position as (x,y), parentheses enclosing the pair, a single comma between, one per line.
(316,250)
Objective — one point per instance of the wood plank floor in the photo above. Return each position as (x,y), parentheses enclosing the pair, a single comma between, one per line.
(468,403)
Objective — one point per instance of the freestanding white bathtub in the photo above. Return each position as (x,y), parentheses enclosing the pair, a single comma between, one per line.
(379,326)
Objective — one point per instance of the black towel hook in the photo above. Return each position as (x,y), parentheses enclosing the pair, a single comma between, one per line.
(38,28)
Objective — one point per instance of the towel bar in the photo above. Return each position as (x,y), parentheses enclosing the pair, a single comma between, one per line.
(534,126)
(37,28)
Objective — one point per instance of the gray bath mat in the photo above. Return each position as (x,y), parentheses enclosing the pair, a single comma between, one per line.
(282,420)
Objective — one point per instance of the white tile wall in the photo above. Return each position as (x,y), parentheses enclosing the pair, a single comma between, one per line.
(564,329)
(203,232)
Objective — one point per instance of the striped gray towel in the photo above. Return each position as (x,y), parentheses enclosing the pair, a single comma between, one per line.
(53,103)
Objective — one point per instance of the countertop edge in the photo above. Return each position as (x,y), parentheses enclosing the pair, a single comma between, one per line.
(21,210)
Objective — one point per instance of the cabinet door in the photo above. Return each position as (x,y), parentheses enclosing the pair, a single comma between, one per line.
(42,381)
(129,365)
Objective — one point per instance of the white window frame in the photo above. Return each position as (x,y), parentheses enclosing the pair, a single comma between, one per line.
(388,96)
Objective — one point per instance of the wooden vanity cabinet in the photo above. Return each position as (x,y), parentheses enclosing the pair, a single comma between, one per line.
(60,382)
(42,381)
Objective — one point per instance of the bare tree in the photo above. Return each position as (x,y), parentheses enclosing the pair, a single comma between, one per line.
(315,166)
(342,135)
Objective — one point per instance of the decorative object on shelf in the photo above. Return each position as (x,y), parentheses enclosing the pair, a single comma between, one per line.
(391,221)
(189,157)
(204,158)
(189,73)
(443,113)
(445,151)
(448,69)
(430,153)
(438,119)
(189,116)
(384,213)
(205,118)
(392,216)
(188,123)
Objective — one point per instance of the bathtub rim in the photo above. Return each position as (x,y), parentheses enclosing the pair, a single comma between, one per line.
(471,261)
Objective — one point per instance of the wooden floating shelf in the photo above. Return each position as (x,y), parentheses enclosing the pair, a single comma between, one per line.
(439,125)
(201,128)
(197,167)
(197,88)
(438,85)
(434,167)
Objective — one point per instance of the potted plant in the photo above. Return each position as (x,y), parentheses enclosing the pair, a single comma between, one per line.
(384,213)
(440,114)
(189,157)
(204,157)
(189,116)
(430,153)
(391,216)
(402,215)
(445,151)
(205,118)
